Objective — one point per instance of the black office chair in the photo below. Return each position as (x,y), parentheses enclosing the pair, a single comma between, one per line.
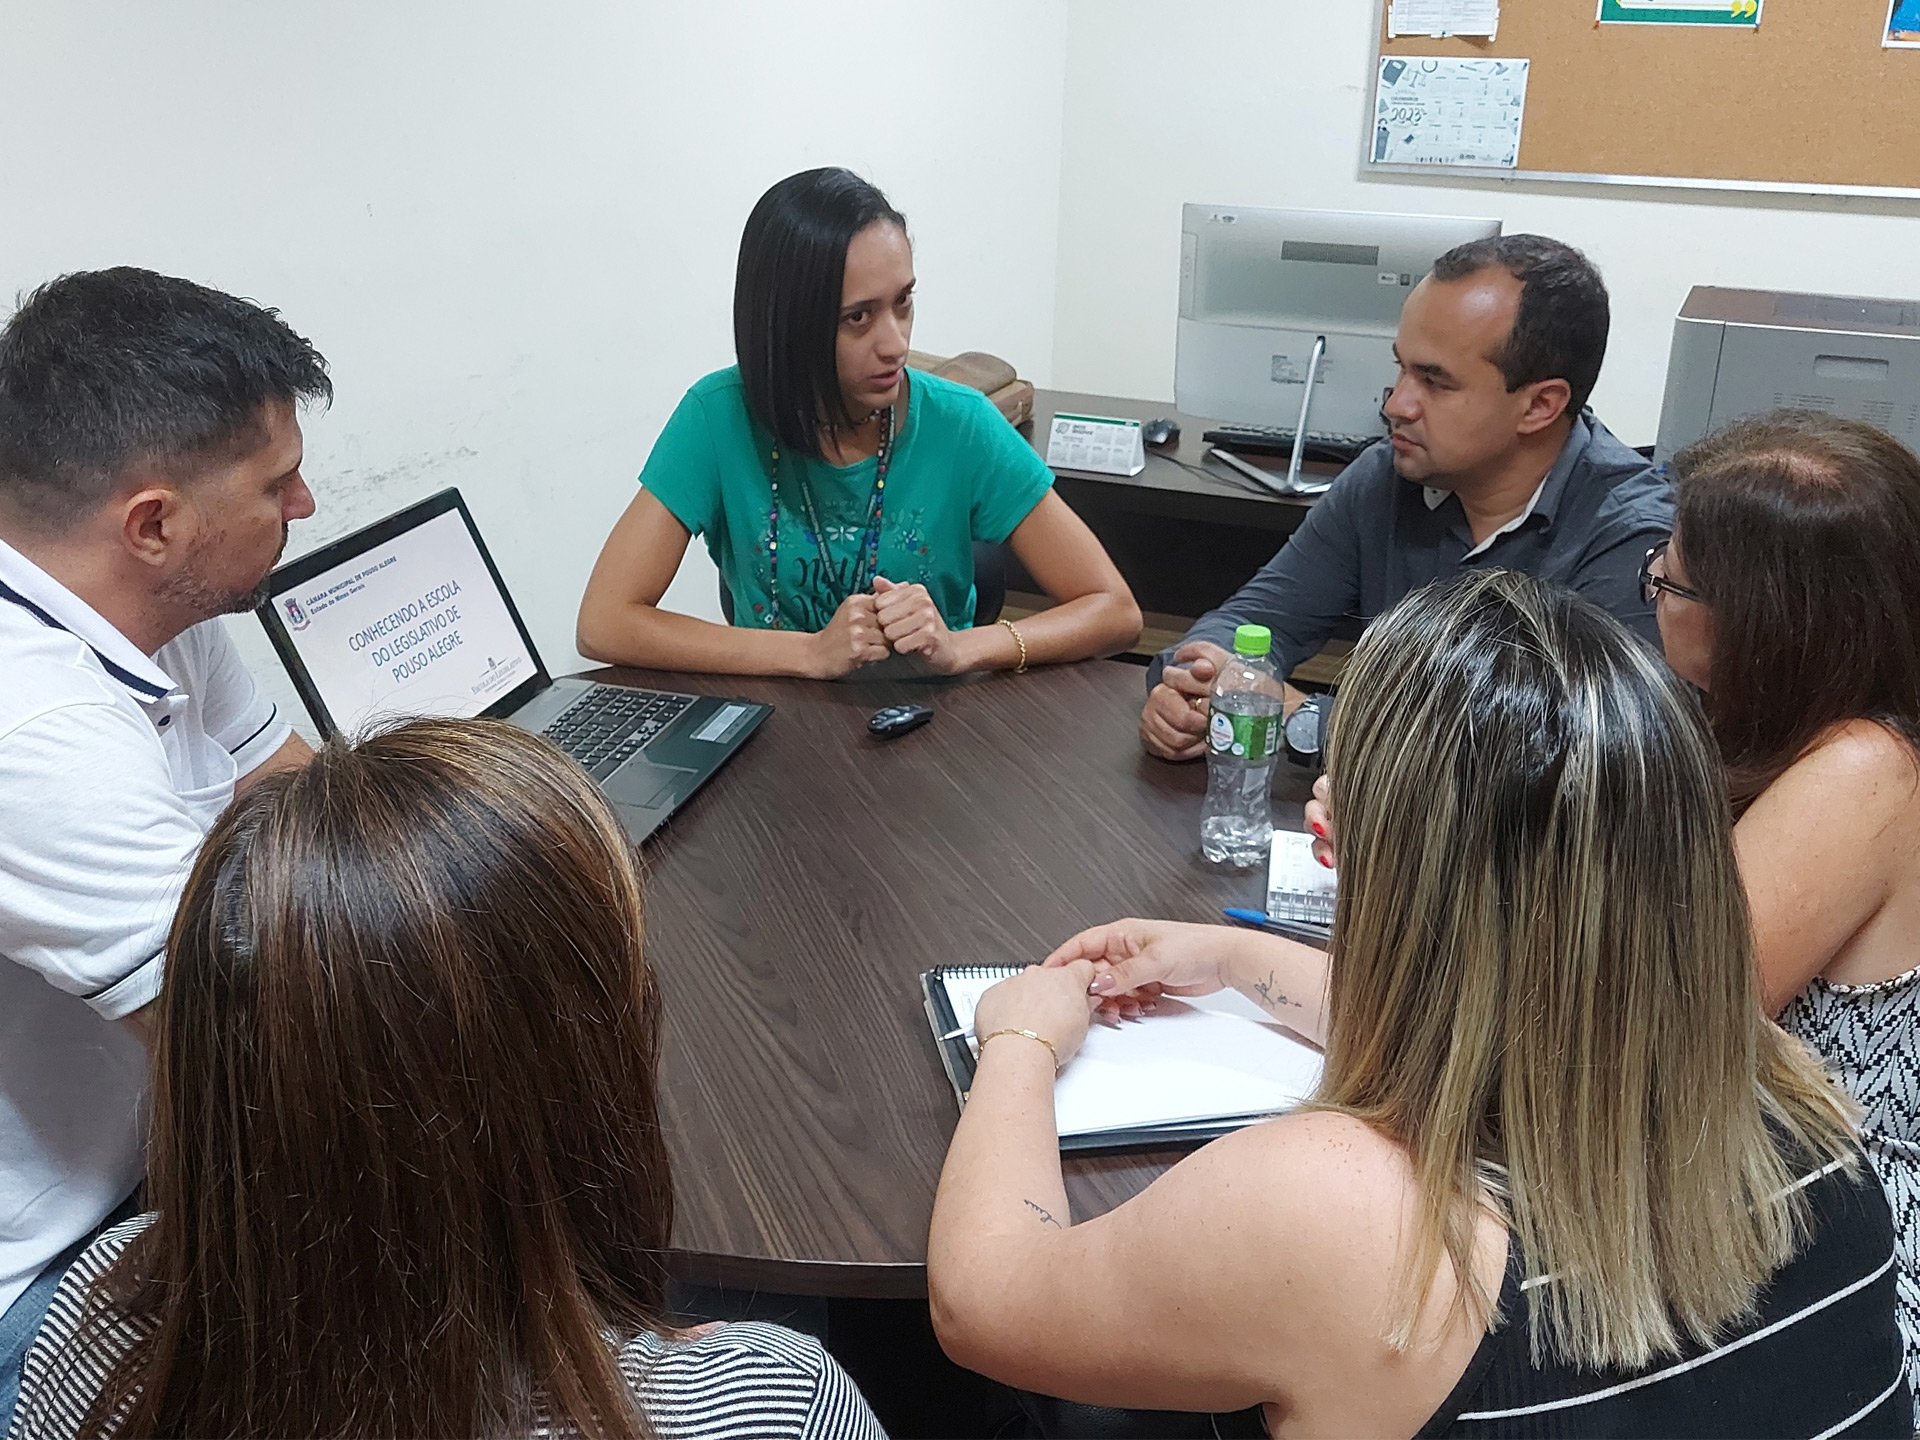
(1070,1420)
(989,584)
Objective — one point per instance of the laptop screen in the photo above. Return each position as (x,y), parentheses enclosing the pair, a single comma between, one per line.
(404,618)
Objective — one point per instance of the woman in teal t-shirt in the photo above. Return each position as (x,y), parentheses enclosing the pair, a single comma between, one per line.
(838,493)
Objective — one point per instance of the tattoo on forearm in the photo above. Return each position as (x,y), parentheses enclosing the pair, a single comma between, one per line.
(1046,1216)
(1270,997)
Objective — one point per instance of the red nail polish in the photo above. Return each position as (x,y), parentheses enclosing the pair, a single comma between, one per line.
(1319,829)
(1326,861)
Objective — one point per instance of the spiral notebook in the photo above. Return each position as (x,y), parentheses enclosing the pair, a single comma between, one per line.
(1196,1069)
(1299,888)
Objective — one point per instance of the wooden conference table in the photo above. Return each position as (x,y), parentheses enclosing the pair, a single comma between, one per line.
(793,903)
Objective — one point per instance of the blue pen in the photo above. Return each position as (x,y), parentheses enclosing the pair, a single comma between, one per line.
(1292,929)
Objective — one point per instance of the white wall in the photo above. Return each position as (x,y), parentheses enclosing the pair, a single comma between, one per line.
(1261,102)
(511,228)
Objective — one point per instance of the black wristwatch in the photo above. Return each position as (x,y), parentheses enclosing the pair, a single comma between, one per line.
(1306,731)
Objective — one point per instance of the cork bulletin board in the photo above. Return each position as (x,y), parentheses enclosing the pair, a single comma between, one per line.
(1807,101)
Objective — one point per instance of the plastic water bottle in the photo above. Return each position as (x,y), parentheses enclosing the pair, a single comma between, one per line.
(1243,737)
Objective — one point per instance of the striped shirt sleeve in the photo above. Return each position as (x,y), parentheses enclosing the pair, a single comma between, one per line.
(747,1380)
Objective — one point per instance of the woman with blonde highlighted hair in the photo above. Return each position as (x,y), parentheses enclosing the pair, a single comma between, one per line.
(407,1165)
(1561,1176)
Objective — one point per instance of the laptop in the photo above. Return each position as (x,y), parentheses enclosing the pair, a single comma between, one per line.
(409,617)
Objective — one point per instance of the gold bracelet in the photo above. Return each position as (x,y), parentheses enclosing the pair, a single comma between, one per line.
(1019,669)
(996,1034)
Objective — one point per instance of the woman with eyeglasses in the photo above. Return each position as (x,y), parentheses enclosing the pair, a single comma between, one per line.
(1790,595)
(840,493)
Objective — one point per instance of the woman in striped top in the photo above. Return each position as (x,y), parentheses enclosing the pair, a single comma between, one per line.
(407,1167)
(1561,1177)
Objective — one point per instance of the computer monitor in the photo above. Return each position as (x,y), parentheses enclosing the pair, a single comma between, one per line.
(1258,287)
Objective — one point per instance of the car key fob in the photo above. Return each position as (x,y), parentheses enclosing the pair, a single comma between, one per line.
(898,720)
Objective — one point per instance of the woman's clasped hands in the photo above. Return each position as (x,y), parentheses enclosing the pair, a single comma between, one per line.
(1052,1005)
(913,625)
(1114,972)
(1137,961)
(891,619)
(851,639)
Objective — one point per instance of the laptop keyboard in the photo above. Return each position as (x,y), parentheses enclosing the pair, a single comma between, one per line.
(607,726)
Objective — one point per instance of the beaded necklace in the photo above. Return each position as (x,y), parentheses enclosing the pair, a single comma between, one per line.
(867,562)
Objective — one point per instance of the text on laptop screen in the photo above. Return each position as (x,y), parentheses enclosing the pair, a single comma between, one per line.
(414,626)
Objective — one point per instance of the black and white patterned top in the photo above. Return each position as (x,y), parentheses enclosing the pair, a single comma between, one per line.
(1869,1035)
(744,1380)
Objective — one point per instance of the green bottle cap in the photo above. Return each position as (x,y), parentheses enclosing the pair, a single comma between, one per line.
(1252,640)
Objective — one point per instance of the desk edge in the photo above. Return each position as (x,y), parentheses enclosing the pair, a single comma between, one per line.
(856,1280)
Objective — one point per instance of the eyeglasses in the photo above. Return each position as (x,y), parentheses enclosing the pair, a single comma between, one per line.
(1651,584)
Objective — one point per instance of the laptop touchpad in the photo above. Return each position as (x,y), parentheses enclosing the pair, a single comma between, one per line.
(643,784)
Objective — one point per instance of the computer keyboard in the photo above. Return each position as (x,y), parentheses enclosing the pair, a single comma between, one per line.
(1324,445)
(608,725)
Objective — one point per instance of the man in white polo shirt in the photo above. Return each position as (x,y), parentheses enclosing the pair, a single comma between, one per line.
(149,468)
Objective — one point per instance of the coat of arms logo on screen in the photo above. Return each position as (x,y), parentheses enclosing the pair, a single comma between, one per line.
(296,616)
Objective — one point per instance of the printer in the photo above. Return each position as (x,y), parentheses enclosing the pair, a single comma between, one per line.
(1741,352)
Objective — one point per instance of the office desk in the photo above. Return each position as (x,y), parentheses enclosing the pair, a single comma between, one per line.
(1185,535)
(793,903)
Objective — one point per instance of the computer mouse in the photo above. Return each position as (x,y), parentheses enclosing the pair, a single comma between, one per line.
(898,720)
(1160,432)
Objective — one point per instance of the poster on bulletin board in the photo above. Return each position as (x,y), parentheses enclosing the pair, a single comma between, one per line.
(1738,14)
(1434,111)
(1903,25)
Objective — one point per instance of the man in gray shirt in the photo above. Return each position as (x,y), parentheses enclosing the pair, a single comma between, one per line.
(1493,460)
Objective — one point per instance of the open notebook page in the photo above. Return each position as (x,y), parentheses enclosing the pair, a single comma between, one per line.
(1208,1058)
